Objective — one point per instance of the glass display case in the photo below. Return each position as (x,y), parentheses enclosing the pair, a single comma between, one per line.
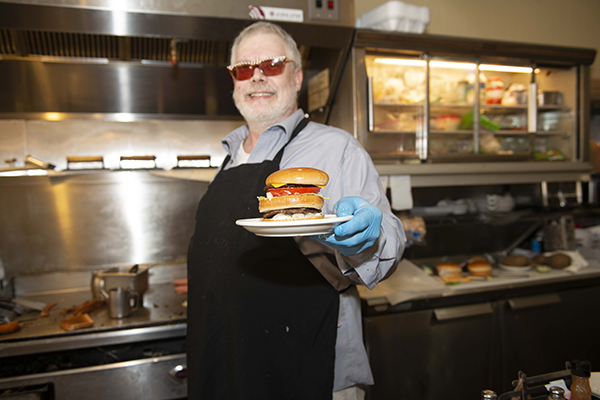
(424,108)
(454,102)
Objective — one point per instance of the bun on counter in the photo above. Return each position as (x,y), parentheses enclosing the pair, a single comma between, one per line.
(559,261)
(477,259)
(515,261)
(480,268)
(449,269)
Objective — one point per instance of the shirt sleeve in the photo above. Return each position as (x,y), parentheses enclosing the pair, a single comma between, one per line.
(358,177)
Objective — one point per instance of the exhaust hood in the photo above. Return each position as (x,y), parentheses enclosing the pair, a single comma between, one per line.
(135,60)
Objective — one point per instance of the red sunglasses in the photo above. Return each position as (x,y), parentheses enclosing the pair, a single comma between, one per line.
(267,66)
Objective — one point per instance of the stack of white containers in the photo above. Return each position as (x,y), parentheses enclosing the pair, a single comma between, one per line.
(395,16)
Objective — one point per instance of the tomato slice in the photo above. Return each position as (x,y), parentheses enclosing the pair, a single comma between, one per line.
(288,191)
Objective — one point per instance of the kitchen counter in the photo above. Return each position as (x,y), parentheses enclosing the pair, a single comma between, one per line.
(429,340)
(163,314)
(410,283)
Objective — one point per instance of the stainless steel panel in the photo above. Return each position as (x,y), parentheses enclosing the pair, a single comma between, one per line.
(111,338)
(140,379)
(535,331)
(226,9)
(414,356)
(37,86)
(53,142)
(12,144)
(86,60)
(95,219)
(80,281)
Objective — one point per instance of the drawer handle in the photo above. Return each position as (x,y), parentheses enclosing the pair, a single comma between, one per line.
(471,310)
(534,301)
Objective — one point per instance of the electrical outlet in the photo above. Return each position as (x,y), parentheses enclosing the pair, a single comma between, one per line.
(324,10)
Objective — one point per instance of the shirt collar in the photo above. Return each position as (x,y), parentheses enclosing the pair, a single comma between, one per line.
(290,123)
(232,141)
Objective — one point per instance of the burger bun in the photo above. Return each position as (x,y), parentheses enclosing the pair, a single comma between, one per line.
(298,176)
(294,201)
(295,217)
(449,269)
(480,268)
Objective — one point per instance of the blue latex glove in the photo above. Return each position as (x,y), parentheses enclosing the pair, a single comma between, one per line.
(360,232)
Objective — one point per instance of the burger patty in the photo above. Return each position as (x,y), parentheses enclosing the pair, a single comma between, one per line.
(291,211)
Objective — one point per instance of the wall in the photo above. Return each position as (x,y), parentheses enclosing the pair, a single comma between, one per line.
(571,23)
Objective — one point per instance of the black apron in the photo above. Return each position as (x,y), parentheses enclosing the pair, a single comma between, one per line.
(262,320)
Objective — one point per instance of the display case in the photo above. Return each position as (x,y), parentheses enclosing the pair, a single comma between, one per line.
(509,125)
(422,99)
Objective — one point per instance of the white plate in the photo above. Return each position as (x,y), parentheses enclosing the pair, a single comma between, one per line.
(510,268)
(595,383)
(292,228)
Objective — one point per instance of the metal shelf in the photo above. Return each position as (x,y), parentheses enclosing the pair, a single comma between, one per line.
(487,173)
(504,132)
(489,107)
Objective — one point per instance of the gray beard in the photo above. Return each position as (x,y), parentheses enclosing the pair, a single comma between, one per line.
(288,98)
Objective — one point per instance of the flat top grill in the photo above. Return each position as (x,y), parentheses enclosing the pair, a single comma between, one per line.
(163,315)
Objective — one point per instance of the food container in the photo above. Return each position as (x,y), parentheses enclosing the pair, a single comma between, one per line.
(133,278)
(494,90)
(515,95)
(447,122)
(550,98)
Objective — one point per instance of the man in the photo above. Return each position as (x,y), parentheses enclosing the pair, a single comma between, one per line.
(279,318)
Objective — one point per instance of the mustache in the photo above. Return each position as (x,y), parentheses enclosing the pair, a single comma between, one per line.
(259,87)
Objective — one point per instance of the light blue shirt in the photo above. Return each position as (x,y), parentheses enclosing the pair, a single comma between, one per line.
(351,173)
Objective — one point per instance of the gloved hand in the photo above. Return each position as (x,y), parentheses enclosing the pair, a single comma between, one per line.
(360,232)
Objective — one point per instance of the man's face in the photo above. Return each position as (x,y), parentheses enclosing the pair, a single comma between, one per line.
(266,99)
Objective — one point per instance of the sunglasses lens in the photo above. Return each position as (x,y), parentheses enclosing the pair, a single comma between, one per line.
(243,72)
(272,67)
(269,68)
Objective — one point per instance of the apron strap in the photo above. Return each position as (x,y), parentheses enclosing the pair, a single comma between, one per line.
(295,133)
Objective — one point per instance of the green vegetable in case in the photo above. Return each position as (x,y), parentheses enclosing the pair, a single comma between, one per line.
(486,123)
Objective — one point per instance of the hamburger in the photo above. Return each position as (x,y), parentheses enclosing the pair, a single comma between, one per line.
(449,269)
(480,268)
(292,194)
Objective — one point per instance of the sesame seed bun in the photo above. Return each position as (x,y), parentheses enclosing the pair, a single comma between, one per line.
(298,176)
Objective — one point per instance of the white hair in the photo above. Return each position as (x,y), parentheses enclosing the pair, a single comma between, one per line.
(267,27)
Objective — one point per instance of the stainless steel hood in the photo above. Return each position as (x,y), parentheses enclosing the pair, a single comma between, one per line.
(63,59)
(338,12)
